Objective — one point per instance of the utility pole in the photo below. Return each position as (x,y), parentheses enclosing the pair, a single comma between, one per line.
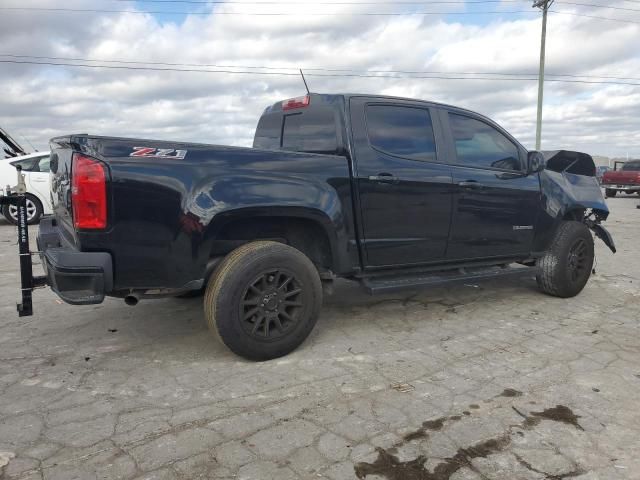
(544,5)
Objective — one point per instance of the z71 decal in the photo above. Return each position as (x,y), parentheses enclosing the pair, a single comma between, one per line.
(158,152)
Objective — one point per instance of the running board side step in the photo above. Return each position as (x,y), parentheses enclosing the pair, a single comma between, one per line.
(377,285)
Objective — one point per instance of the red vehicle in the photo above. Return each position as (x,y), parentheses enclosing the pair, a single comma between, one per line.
(624,179)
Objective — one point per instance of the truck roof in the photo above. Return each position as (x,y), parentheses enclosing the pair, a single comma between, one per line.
(329,98)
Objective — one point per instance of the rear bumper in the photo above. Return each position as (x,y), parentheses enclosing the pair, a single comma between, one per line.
(78,278)
(621,188)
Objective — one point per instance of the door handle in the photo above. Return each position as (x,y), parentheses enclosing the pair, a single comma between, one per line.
(472,184)
(384,178)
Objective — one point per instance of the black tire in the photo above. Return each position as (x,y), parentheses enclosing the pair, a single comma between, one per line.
(608,192)
(36,217)
(566,267)
(264,300)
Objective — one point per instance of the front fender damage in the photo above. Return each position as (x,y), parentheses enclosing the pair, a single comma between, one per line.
(602,233)
(569,186)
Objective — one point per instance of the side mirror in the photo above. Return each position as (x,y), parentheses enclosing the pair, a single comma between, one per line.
(535,162)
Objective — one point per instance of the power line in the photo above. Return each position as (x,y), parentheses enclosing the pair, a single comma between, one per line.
(258,14)
(288,14)
(594,17)
(310,69)
(291,74)
(610,7)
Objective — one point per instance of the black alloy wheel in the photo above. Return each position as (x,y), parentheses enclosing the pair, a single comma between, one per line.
(578,260)
(271,305)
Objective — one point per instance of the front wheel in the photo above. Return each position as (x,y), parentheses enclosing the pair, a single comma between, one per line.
(264,300)
(566,267)
(34,211)
(609,192)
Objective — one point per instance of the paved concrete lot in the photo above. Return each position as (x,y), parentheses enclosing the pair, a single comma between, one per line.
(488,381)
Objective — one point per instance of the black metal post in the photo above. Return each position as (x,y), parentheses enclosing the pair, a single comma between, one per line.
(26,267)
(27,281)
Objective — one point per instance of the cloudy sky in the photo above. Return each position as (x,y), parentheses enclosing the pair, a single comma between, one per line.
(488,50)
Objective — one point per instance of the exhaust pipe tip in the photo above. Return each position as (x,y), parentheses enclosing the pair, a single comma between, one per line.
(131,300)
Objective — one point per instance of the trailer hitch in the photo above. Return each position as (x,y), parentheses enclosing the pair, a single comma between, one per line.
(28,282)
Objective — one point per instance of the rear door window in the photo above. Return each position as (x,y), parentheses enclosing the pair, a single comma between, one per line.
(401,131)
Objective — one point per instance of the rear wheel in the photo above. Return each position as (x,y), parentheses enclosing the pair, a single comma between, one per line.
(610,192)
(34,211)
(264,300)
(566,267)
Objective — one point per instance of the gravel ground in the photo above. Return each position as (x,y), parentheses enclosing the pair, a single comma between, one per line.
(487,381)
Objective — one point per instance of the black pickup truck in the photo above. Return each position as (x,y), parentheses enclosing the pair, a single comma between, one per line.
(392,192)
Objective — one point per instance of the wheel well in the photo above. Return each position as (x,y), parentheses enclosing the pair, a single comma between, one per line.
(576,214)
(303,234)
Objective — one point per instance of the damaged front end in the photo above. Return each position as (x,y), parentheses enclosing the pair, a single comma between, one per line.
(571,191)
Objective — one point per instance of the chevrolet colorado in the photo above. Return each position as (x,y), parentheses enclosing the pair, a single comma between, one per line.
(392,192)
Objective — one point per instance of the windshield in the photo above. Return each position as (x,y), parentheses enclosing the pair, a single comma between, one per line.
(631,167)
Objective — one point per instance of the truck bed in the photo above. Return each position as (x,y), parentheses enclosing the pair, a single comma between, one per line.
(169,200)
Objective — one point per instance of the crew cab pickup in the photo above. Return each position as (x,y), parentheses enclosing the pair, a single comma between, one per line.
(394,193)
(624,179)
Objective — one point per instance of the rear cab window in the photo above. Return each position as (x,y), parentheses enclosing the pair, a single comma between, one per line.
(402,131)
(631,167)
(268,132)
(313,129)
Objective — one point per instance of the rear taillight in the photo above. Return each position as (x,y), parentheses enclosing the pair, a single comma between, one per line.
(88,193)
(299,102)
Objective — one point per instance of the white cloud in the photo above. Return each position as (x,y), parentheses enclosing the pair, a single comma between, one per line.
(40,102)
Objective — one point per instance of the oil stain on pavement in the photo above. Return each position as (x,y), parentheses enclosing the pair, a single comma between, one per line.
(389,466)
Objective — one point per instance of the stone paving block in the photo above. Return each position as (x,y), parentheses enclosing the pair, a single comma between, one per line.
(20,430)
(20,467)
(340,471)
(334,447)
(279,441)
(263,470)
(173,447)
(242,425)
(233,454)
(161,474)
(82,434)
(307,462)
(357,429)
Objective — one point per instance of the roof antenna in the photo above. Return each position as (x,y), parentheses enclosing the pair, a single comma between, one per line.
(305,82)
